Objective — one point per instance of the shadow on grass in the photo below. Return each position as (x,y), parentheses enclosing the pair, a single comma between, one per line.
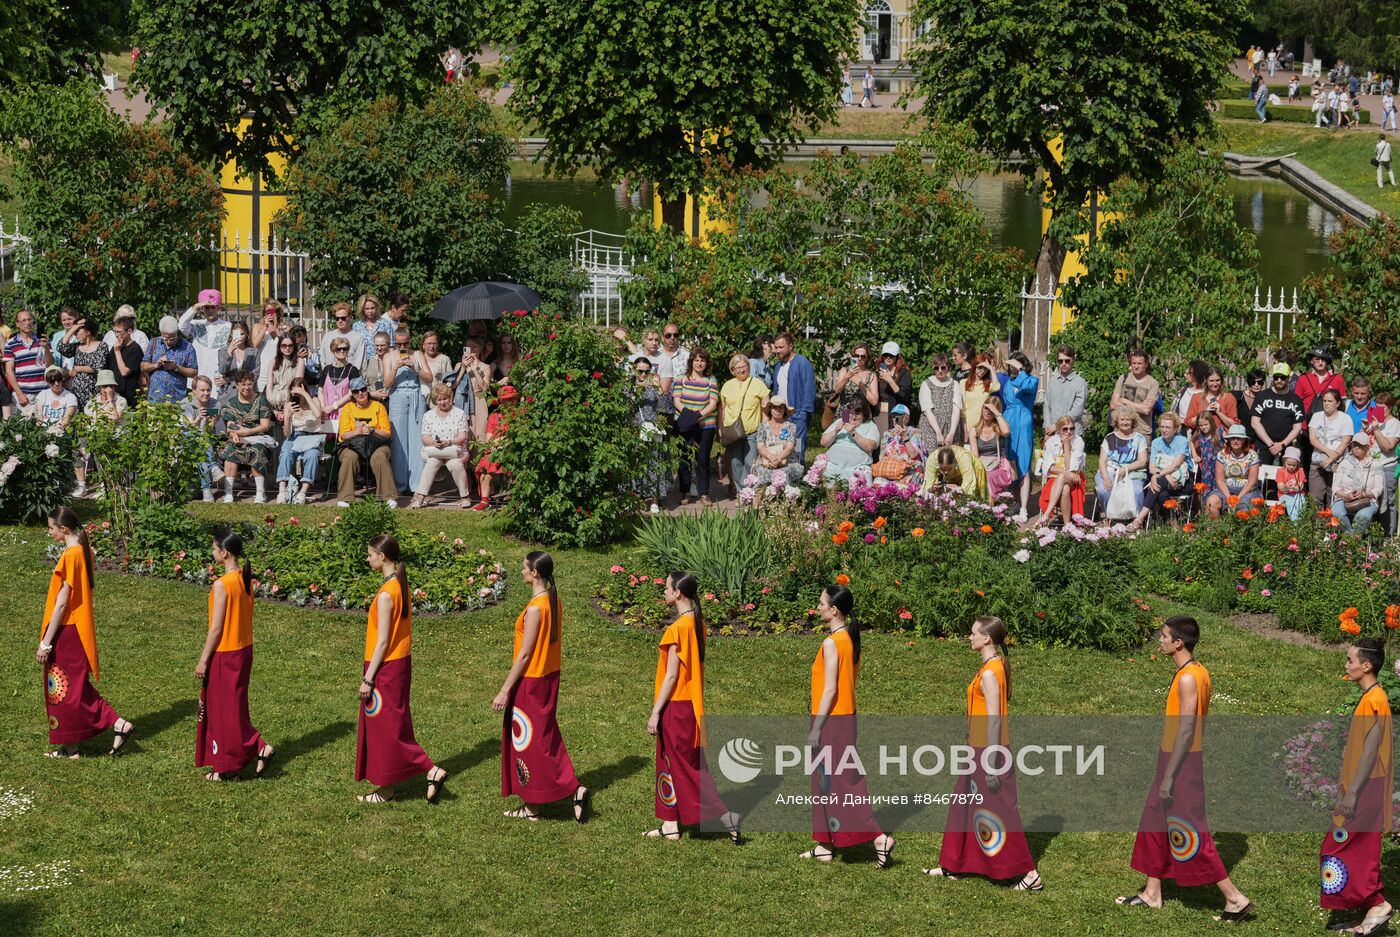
(153,724)
(1049,826)
(464,761)
(308,743)
(1233,847)
(600,779)
(19,918)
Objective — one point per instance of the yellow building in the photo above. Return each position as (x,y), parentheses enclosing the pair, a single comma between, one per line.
(252,268)
(887,31)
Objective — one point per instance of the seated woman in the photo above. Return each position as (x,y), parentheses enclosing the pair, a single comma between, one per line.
(988,441)
(302,439)
(247,418)
(1122,458)
(954,467)
(1062,473)
(486,469)
(1357,486)
(1236,473)
(444,444)
(336,376)
(850,445)
(902,452)
(1168,467)
(776,442)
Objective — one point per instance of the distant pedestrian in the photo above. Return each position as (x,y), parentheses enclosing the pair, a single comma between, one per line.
(1382,163)
(867,88)
(847,89)
(1388,109)
(1294,89)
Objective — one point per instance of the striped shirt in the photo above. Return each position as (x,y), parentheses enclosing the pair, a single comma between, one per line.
(697,394)
(28,359)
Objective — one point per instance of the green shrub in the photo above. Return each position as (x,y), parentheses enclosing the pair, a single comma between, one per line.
(1287,113)
(36,470)
(727,554)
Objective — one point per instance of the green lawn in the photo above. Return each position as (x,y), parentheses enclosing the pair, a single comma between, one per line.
(1342,157)
(160,851)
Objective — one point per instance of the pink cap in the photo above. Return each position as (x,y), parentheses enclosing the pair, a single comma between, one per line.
(210,297)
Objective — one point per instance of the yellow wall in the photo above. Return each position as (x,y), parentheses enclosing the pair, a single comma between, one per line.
(1062,315)
(249,209)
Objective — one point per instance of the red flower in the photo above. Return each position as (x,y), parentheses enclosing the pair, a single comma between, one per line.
(553,335)
(597,375)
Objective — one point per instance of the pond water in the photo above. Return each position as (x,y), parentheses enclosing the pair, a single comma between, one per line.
(1290,228)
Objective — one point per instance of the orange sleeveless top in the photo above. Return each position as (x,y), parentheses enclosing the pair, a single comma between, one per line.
(238,613)
(71,571)
(1202,678)
(977,710)
(846,672)
(544,659)
(400,623)
(1373,709)
(690,678)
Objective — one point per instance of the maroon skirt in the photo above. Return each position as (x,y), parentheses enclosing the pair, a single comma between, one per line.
(984,836)
(1173,840)
(386,752)
(685,789)
(841,811)
(1351,854)
(224,737)
(535,764)
(76,710)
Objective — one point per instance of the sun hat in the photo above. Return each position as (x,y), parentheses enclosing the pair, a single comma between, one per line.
(358,383)
(777,400)
(1236,432)
(106,378)
(1320,352)
(1293,452)
(890,348)
(1361,439)
(51,370)
(1281,370)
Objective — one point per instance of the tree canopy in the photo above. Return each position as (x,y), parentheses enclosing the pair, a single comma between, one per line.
(286,63)
(660,89)
(115,211)
(49,41)
(1355,301)
(1364,32)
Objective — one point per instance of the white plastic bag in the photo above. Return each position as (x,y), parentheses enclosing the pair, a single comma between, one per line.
(1122,505)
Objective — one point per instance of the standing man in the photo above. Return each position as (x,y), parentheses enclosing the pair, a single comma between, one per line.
(209,333)
(26,356)
(126,313)
(796,382)
(169,364)
(1311,385)
(1277,416)
(1066,392)
(1360,407)
(344,328)
(126,356)
(1382,159)
(1173,840)
(674,359)
(1139,390)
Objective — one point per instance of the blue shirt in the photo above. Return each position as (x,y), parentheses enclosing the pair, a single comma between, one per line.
(1358,416)
(169,385)
(1163,452)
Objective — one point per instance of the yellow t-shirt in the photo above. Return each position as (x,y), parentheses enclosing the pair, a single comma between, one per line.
(352,417)
(745,398)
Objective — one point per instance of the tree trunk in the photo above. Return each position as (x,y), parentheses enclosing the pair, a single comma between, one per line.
(1307,48)
(1035,313)
(673,212)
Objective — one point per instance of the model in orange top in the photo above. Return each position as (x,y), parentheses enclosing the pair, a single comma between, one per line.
(387,752)
(984,835)
(1173,839)
(68,647)
(1362,815)
(841,814)
(225,739)
(685,791)
(535,764)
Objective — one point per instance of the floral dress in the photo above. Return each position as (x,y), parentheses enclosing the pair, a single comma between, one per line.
(1209,453)
(84,384)
(239,415)
(770,438)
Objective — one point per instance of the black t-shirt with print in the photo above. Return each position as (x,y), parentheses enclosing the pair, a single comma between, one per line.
(1279,413)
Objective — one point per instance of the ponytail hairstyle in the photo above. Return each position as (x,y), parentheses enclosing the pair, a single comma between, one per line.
(542,565)
(995,630)
(689,587)
(231,542)
(64,516)
(844,602)
(390,548)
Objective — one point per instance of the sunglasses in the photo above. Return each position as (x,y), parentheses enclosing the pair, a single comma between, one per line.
(643,370)
(1256,383)
(941,367)
(342,318)
(286,346)
(55,380)
(1066,361)
(1067,429)
(672,335)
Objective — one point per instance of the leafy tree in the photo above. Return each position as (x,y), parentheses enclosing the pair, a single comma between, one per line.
(49,42)
(1355,302)
(116,212)
(1119,83)
(277,62)
(540,256)
(854,249)
(663,88)
(399,196)
(1364,32)
(1174,276)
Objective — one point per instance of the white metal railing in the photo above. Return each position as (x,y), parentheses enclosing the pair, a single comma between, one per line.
(11,244)
(249,273)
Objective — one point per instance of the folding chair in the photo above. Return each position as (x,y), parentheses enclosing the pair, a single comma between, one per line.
(1268,473)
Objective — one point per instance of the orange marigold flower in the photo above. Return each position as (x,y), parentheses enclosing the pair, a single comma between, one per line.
(1258,502)
(1200,487)
(1188,527)
(981,593)
(843,580)
(1325,512)
(1242,515)
(1248,573)
(986,528)
(1170,504)
(1392,623)
(1350,627)
(1334,523)
(1253,512)
(846,527)
(840,538)
(1348,613)
(880,522)
(884,540)
(917,532)
(1232,500)
(1392,611)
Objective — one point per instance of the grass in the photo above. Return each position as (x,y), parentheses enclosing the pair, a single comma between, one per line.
(1342,157)
(161,851)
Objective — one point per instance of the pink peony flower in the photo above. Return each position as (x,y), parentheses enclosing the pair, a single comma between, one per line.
(617,569)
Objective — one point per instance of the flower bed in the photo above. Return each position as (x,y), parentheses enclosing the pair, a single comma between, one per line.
(926,563)
(311,565)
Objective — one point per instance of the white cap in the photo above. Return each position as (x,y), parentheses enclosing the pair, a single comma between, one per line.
(1361,439)
(890,348)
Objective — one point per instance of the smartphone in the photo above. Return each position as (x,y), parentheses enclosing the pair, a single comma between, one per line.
(845,414)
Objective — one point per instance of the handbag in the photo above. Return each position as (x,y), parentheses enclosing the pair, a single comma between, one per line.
(890,468)
(687,420)
(306,442)
(829,411)
(1121,503)
(732,433)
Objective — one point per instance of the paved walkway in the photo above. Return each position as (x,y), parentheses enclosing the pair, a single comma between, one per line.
(1369,102)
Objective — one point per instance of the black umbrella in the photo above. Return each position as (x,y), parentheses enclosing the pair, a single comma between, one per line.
(487,300)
